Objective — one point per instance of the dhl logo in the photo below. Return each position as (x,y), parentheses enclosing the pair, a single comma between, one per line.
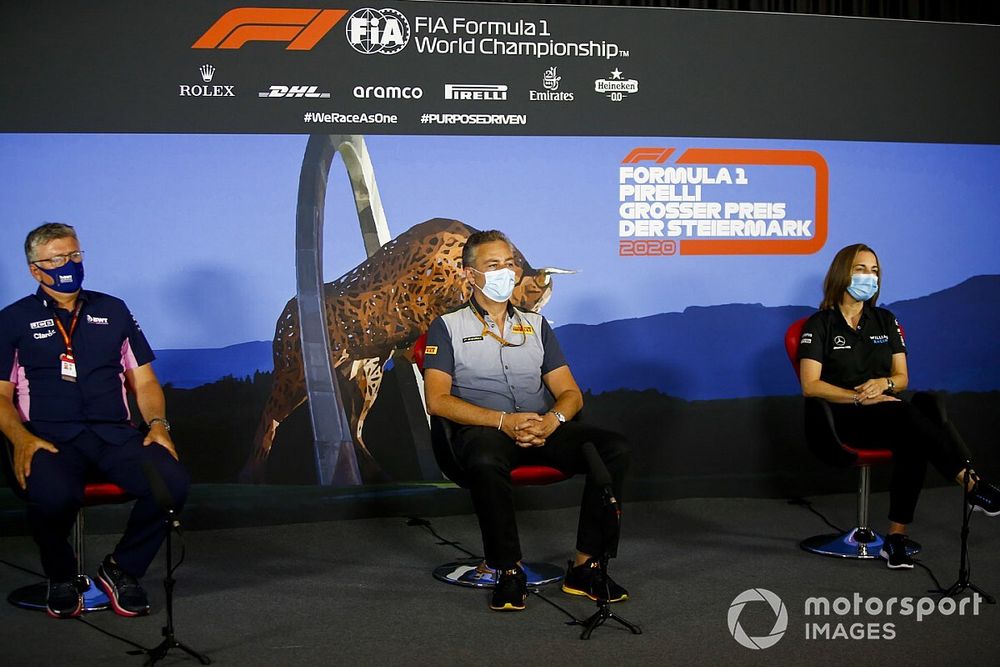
(301,28)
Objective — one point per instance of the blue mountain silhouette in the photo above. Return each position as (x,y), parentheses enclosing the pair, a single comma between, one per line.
(185,369)
(737,350)
(712,352)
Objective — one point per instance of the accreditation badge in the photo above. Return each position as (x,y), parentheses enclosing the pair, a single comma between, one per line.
(68,367)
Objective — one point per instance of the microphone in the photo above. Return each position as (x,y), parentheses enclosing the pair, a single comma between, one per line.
(611,521)
(160,493)
(598,471)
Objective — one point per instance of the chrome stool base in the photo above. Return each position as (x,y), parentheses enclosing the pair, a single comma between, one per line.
(35,596)
(861,543)
(473,573)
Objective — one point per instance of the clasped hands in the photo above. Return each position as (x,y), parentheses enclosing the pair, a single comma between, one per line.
(873,391)
(529,429)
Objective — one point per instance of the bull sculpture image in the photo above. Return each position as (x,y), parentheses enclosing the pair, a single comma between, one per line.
(379,307)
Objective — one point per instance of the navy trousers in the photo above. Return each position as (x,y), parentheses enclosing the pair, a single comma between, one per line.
(55,494)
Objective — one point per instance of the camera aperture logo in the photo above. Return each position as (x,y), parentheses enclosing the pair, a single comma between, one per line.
(780,619)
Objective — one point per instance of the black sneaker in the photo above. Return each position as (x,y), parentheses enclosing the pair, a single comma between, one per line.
(985,498)
(64,599)
(587,580)
(510,591)
(127,597)
(894,552)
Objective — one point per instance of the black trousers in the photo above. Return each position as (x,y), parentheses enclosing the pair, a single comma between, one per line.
(55,494)
(915,439)
(488,455)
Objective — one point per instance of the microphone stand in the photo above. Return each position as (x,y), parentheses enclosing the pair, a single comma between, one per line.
(964,583)
(608,549)
(159,652)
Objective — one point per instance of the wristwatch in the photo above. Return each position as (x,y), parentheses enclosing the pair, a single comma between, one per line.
(892,386)
(159,420)
(560,416)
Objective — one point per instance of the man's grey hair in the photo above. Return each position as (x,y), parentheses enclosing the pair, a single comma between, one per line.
(39,236)
(477,239)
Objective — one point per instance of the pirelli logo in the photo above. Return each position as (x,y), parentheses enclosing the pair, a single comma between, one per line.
(301,28)
(431,349)
(526,329)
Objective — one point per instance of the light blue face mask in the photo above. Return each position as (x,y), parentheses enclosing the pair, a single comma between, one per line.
(863,286)
(499,284)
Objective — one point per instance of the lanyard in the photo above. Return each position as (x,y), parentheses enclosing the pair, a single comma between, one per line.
(68,337)
(487,332)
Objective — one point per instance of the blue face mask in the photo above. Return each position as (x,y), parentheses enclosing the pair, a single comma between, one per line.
(499,284)
(863,286)
(68,277)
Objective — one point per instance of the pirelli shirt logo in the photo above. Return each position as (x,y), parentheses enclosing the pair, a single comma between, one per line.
(525,329)
(431,349)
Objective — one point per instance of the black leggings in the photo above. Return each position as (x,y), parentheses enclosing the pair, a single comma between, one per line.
(915,439)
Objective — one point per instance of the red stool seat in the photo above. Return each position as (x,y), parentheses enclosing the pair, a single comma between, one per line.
(104,493)
(536,475)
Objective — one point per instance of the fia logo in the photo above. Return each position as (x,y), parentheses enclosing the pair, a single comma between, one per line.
(383,31)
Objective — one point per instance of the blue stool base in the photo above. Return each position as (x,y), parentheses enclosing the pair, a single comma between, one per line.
(34,597)
(468,573)
(848,545)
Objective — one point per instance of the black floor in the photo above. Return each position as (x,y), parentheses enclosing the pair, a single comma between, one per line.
(360,592)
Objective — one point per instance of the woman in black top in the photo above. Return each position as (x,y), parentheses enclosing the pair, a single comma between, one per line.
(853,355)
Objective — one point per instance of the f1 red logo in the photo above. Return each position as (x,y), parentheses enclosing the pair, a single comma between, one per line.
(301,28)
(659,155)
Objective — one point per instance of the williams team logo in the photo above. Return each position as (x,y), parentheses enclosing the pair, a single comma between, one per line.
(384,31)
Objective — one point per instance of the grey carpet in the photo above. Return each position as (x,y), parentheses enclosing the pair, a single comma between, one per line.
(359,592)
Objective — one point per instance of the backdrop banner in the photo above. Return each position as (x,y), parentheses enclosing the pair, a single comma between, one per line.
(281,193)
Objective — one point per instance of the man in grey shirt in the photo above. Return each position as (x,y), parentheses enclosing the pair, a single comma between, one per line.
(499,374)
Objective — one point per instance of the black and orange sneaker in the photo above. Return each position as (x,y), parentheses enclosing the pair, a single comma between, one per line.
(510,591)
(127,597)
(588,580)
(64,599)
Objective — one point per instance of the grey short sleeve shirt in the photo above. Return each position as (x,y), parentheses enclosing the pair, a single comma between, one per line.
(486,372)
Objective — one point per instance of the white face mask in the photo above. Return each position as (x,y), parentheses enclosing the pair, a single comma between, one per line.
(499,283)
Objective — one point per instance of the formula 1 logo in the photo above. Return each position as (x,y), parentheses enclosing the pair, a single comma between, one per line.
(384,31)
(301,28)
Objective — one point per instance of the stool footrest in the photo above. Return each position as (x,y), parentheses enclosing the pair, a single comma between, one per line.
(861,543)
(35,596)
(473,573)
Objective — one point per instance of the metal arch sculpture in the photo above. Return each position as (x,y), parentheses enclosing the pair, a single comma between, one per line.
(333,447)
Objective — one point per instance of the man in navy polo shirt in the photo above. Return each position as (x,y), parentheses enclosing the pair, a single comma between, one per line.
(67,357)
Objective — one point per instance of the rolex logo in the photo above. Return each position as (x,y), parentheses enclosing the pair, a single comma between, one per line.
(207,72)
